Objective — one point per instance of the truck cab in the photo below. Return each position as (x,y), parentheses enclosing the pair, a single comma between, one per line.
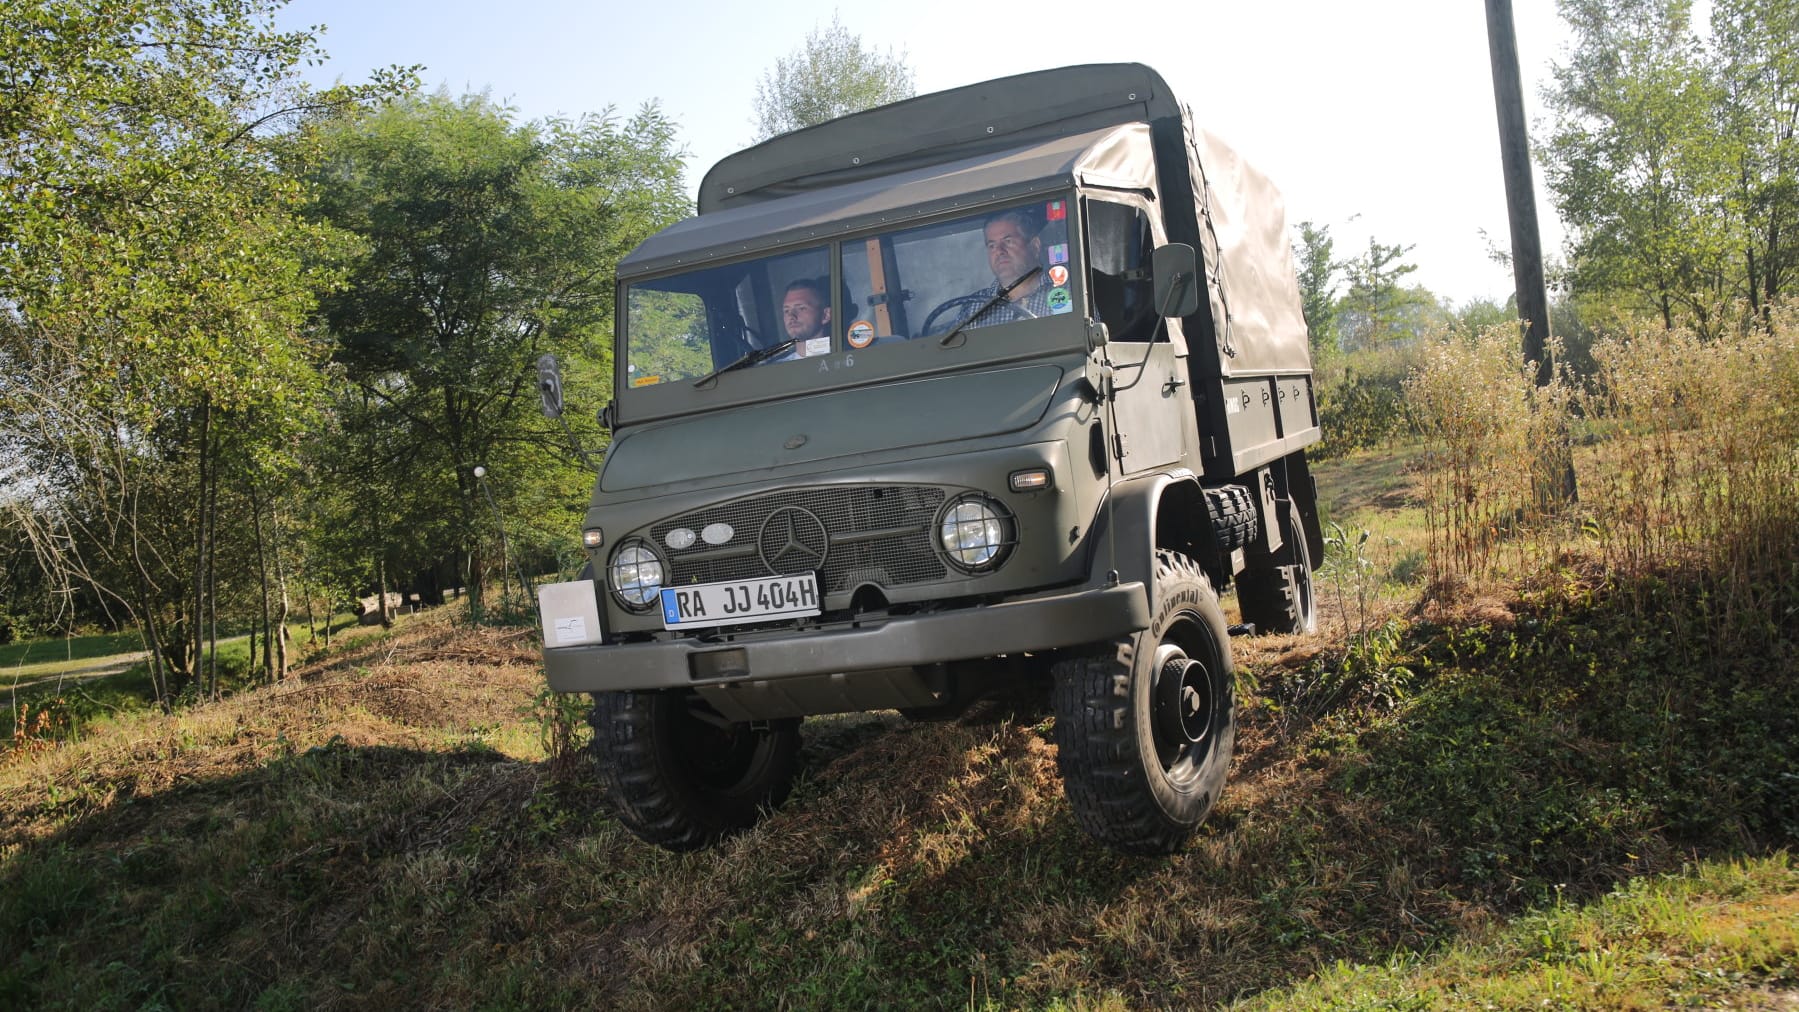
(979,396)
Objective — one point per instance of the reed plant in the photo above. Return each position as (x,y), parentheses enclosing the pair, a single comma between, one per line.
(1688,469)
(1492,440)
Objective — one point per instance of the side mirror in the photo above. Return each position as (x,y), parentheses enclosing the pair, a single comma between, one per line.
(549,386)
(1176,268)
(608,416)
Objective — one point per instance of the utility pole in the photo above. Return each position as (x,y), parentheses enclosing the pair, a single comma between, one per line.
(1520,194)
(1521,202)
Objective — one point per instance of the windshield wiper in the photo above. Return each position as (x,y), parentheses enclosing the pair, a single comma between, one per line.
(1003,293)
(759,355)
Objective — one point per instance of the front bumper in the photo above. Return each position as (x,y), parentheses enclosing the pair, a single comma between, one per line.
(1039,622)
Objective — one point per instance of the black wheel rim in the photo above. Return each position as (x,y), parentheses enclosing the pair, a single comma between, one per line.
(1302,575)
(1184,701)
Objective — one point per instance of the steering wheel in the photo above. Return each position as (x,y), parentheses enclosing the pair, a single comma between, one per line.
(961,304)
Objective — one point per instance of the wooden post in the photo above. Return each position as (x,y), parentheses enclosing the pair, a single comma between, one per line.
(1520,194)
(1521,202)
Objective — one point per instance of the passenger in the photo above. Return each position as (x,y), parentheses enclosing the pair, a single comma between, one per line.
(1014,250)
(806,315)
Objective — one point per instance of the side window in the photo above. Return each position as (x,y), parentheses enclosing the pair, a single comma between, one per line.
(1121,290)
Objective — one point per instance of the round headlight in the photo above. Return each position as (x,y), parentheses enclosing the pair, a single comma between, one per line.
(636,575)
(975,533)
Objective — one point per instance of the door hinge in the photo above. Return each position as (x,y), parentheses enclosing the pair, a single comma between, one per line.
(1118,446)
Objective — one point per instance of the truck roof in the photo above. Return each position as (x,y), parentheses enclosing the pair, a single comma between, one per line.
(979,119)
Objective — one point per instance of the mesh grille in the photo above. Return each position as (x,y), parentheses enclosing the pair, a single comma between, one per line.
(879,534)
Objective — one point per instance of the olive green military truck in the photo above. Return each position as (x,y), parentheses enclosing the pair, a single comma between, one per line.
(976,399)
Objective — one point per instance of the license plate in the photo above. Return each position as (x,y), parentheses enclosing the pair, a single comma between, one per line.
(740,601)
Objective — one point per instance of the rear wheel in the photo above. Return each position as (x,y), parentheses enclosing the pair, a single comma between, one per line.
(682,777)
(1275,592)
(1145,728)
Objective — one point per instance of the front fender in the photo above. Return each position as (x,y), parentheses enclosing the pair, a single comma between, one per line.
(1129,526)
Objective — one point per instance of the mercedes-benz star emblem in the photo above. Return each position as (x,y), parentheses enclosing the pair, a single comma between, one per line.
(793,540)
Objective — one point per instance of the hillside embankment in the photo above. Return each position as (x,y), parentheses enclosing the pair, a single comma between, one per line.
(396,826)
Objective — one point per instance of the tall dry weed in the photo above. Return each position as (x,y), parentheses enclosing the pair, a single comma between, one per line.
(1492,440)
(1700,467)
(1690,465)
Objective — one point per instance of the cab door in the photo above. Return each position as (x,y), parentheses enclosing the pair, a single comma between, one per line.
(1151,406)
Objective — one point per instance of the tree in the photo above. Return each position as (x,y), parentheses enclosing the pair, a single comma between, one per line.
(1755,55)
(484,244)
(1377,308)
(1636,164)
(1318,285)
(832,74)
(155,277)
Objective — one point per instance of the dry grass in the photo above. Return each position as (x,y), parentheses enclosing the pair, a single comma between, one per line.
(1690,465)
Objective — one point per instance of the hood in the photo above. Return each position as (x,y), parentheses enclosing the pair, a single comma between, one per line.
(836,424)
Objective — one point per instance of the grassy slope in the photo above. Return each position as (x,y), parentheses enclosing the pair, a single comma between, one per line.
(1434,819)
(22,661)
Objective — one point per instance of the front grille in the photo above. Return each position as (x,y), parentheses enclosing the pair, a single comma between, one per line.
(879,534)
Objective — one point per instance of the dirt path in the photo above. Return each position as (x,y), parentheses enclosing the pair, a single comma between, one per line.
(100,668)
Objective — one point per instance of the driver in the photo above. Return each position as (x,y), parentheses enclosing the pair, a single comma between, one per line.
(1014,249)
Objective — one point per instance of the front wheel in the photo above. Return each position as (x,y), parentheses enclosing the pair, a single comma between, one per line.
(1145,727)
(682,777)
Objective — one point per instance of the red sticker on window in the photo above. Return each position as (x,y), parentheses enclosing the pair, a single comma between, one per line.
(1058,211)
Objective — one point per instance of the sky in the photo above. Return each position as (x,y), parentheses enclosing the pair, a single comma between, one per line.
(1375,119)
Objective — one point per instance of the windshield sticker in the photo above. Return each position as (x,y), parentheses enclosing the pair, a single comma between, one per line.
(1058,211)
(1059,301)
(1058,253)
(862,334)
(1058,275)
(644,381)
(817,346)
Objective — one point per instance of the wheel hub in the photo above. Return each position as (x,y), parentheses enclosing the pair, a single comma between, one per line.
(1183,701)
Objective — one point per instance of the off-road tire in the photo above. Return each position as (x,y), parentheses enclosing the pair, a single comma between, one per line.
(1275,593)
(683,782)
(1142,759)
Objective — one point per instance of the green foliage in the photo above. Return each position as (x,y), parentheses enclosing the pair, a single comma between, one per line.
(1317,273)
(1673,158)
(1592,751)
(832,74)
(1361,398)
(157,276)
(483,244)
(1756,59)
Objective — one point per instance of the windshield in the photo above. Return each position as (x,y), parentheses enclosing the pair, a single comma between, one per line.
(685,326)
(928,280)
(894,286)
